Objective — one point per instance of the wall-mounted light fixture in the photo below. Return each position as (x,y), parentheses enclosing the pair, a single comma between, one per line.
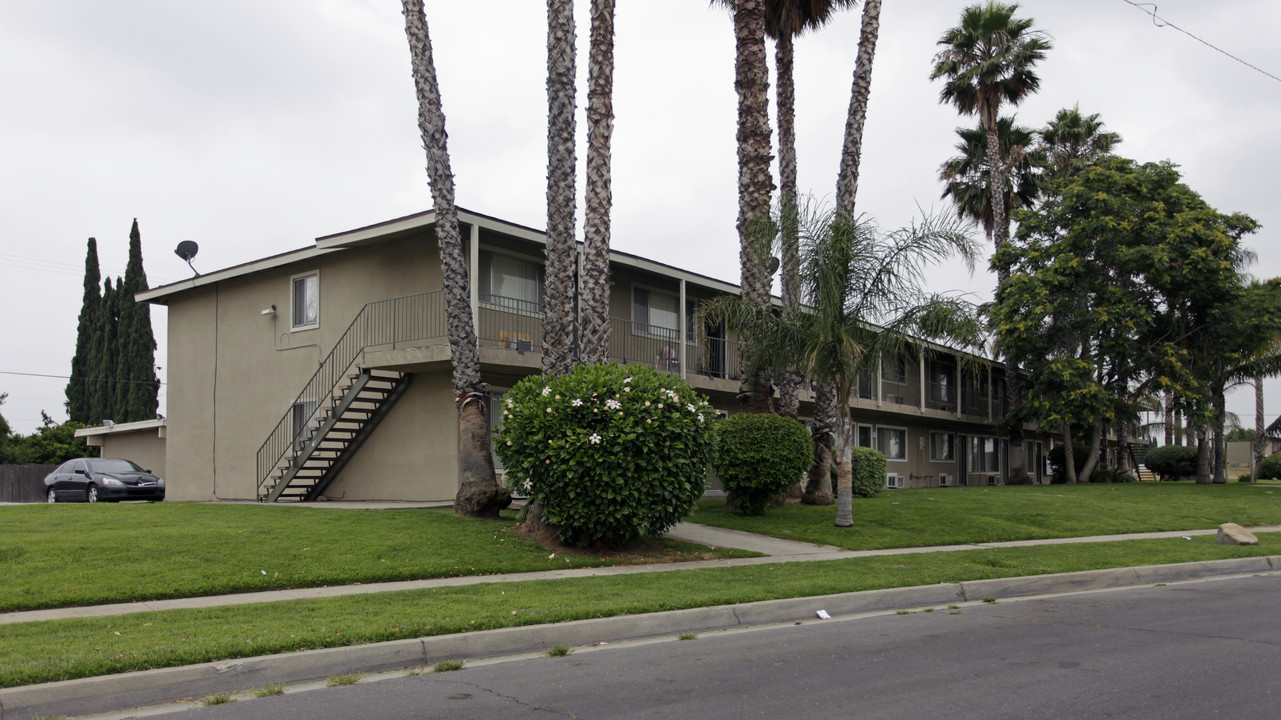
(269,311)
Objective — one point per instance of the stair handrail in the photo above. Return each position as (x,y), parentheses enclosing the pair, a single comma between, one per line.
(370,328)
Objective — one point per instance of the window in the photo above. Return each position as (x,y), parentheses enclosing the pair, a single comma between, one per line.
(511,282)
(985,455)
(865,383)
(892,442)
(303,417)
(894,370)
(863,436)
(655,313)
(306,301)
(942,447)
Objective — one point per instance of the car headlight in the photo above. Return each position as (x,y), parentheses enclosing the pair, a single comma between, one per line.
(112,482)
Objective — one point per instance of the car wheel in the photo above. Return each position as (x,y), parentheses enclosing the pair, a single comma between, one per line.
(91,495)
(53,496)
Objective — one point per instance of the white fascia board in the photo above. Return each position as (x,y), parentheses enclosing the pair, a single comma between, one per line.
(157,424)
(162,293)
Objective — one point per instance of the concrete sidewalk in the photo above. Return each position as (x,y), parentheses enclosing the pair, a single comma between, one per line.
(773,551)
(167,685)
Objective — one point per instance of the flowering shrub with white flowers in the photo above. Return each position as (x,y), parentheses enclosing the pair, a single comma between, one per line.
(610,452)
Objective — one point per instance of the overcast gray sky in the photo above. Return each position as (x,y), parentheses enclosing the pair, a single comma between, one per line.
(254,126)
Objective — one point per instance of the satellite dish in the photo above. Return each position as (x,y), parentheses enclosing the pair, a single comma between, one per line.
(186,250)
(773,265)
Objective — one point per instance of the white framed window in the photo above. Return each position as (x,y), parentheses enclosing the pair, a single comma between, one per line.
(304,418)
(985,454)
(305,301)
(892,442)
(511,283)
(942,446)
(863,436)
(655,313)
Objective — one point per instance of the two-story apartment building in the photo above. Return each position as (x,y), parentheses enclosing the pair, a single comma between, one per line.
(325,371)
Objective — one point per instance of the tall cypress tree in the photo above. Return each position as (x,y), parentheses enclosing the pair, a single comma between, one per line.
(102,373)
(90,311)
(136,366)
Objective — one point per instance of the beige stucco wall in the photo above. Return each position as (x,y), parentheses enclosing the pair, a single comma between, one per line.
(413,455)
(234,372)
(146,448)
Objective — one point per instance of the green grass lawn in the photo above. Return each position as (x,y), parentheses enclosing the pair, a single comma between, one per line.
(951,516)
(67,554)
(64,649)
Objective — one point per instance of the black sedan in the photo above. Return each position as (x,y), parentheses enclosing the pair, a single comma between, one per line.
(102,479)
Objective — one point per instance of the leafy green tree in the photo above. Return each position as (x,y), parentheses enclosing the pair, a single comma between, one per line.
(50,444)
(78,387)
(1124,282)
(4,432)
(855,277)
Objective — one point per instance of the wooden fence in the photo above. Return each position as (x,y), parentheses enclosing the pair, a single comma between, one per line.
(23,483)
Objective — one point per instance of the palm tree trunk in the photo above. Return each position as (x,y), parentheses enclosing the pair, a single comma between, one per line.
(594,327)
(558,311)
(789,396)
(479,494)
(754,182)
(818,490)
(852,148)
(845,471)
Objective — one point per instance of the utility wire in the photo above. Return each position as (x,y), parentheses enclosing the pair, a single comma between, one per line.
(1162,22)
(86,379)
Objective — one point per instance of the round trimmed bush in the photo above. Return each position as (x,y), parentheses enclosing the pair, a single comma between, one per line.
(760,456)
(1172,461)
(609,452)
(1270,467)
(869,472)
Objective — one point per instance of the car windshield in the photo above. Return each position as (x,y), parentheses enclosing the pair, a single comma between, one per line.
(112,465)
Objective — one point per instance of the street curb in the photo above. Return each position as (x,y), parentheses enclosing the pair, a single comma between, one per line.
(153,687)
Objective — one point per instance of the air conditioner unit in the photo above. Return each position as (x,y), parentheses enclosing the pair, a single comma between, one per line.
(947,480)
(894,481)
(993,479)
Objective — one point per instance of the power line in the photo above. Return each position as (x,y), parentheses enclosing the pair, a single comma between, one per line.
(86,379)
(1162,22)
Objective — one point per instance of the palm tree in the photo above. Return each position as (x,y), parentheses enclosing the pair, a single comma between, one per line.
(479,494)
(854,276)
(785,20)
(966,176)
(1072,141)
(986,61)
(594,326)
(852,148)
(558,309)
(754,182)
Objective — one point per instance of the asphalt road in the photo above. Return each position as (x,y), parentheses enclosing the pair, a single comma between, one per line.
(1191,650)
